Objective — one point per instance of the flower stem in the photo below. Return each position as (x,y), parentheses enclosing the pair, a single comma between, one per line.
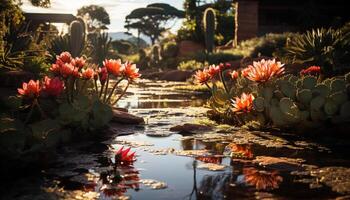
(81,88)
(114,87)
(29,114)
(96,88)
(102,86)
(39,107)
(223,82)
(106,90)
(122,94)
(67,90)
(208,85)
(72,88)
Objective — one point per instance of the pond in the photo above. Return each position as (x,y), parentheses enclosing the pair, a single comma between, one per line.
(221,162)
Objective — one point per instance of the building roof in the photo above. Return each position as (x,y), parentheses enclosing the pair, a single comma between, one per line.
(49,17)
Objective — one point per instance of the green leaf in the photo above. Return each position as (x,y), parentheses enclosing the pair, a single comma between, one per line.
(13,102)
(43,128)
(101,114)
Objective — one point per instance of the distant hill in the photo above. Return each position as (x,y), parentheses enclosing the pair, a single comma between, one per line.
(124,36)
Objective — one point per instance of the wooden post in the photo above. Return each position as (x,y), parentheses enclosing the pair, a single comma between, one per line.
(246,20)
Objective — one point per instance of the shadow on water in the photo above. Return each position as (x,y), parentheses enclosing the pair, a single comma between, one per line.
(87,170)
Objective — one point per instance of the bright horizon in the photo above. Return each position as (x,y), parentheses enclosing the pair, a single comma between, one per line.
(117,9)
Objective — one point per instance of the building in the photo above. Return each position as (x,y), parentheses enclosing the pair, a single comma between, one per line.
(258,17)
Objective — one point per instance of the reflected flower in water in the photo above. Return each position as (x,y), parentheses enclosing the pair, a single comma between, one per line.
(110,191)
(115,181)
(262,180)
(117,185)
(124,157)
(210,159)
(241,150)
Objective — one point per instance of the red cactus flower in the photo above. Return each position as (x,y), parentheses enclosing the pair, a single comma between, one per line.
(66,70)
(224,66)
(102,73)
(53,87)
(113,66)
(245,72)
(55,68)
(263,70)
(202,76)
(30,89)
(313,70)
(123,157)
(213,70)
(130,71)
(88,73)
(65,57)
(234,74)
(243,104)
(262,180)
(78,62)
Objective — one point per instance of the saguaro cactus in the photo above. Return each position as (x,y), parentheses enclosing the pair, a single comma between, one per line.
(209,21)
(77,37)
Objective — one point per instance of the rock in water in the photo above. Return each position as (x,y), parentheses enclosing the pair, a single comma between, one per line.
(190,128)
(126,118)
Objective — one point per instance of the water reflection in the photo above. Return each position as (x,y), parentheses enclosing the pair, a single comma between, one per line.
(210,159)
(114,181)
(194,144)
(261,179)
(242,151)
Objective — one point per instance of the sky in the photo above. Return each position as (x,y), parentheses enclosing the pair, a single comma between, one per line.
(117,9)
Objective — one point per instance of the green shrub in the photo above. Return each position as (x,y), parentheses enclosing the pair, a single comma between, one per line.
(271,45)
(170,50)
(188,32)
(191,65)
(155,55)
(327,48)
(99,48)
(122,46)
(143,61)
(216,57)
(36,65)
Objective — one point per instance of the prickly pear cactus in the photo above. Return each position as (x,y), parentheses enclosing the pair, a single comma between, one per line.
(305,101)
(259,104)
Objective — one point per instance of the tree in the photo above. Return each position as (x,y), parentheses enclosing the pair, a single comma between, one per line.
(152,20)
(41,3)
(98,17)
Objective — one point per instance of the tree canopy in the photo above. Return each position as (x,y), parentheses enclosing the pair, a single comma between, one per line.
(98,17)
(152,20)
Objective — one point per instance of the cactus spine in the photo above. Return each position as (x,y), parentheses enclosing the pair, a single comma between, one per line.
(77,37)
(209,21)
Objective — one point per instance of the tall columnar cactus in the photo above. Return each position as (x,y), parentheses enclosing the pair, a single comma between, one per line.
(209,21)
(155,54)
(77,37)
